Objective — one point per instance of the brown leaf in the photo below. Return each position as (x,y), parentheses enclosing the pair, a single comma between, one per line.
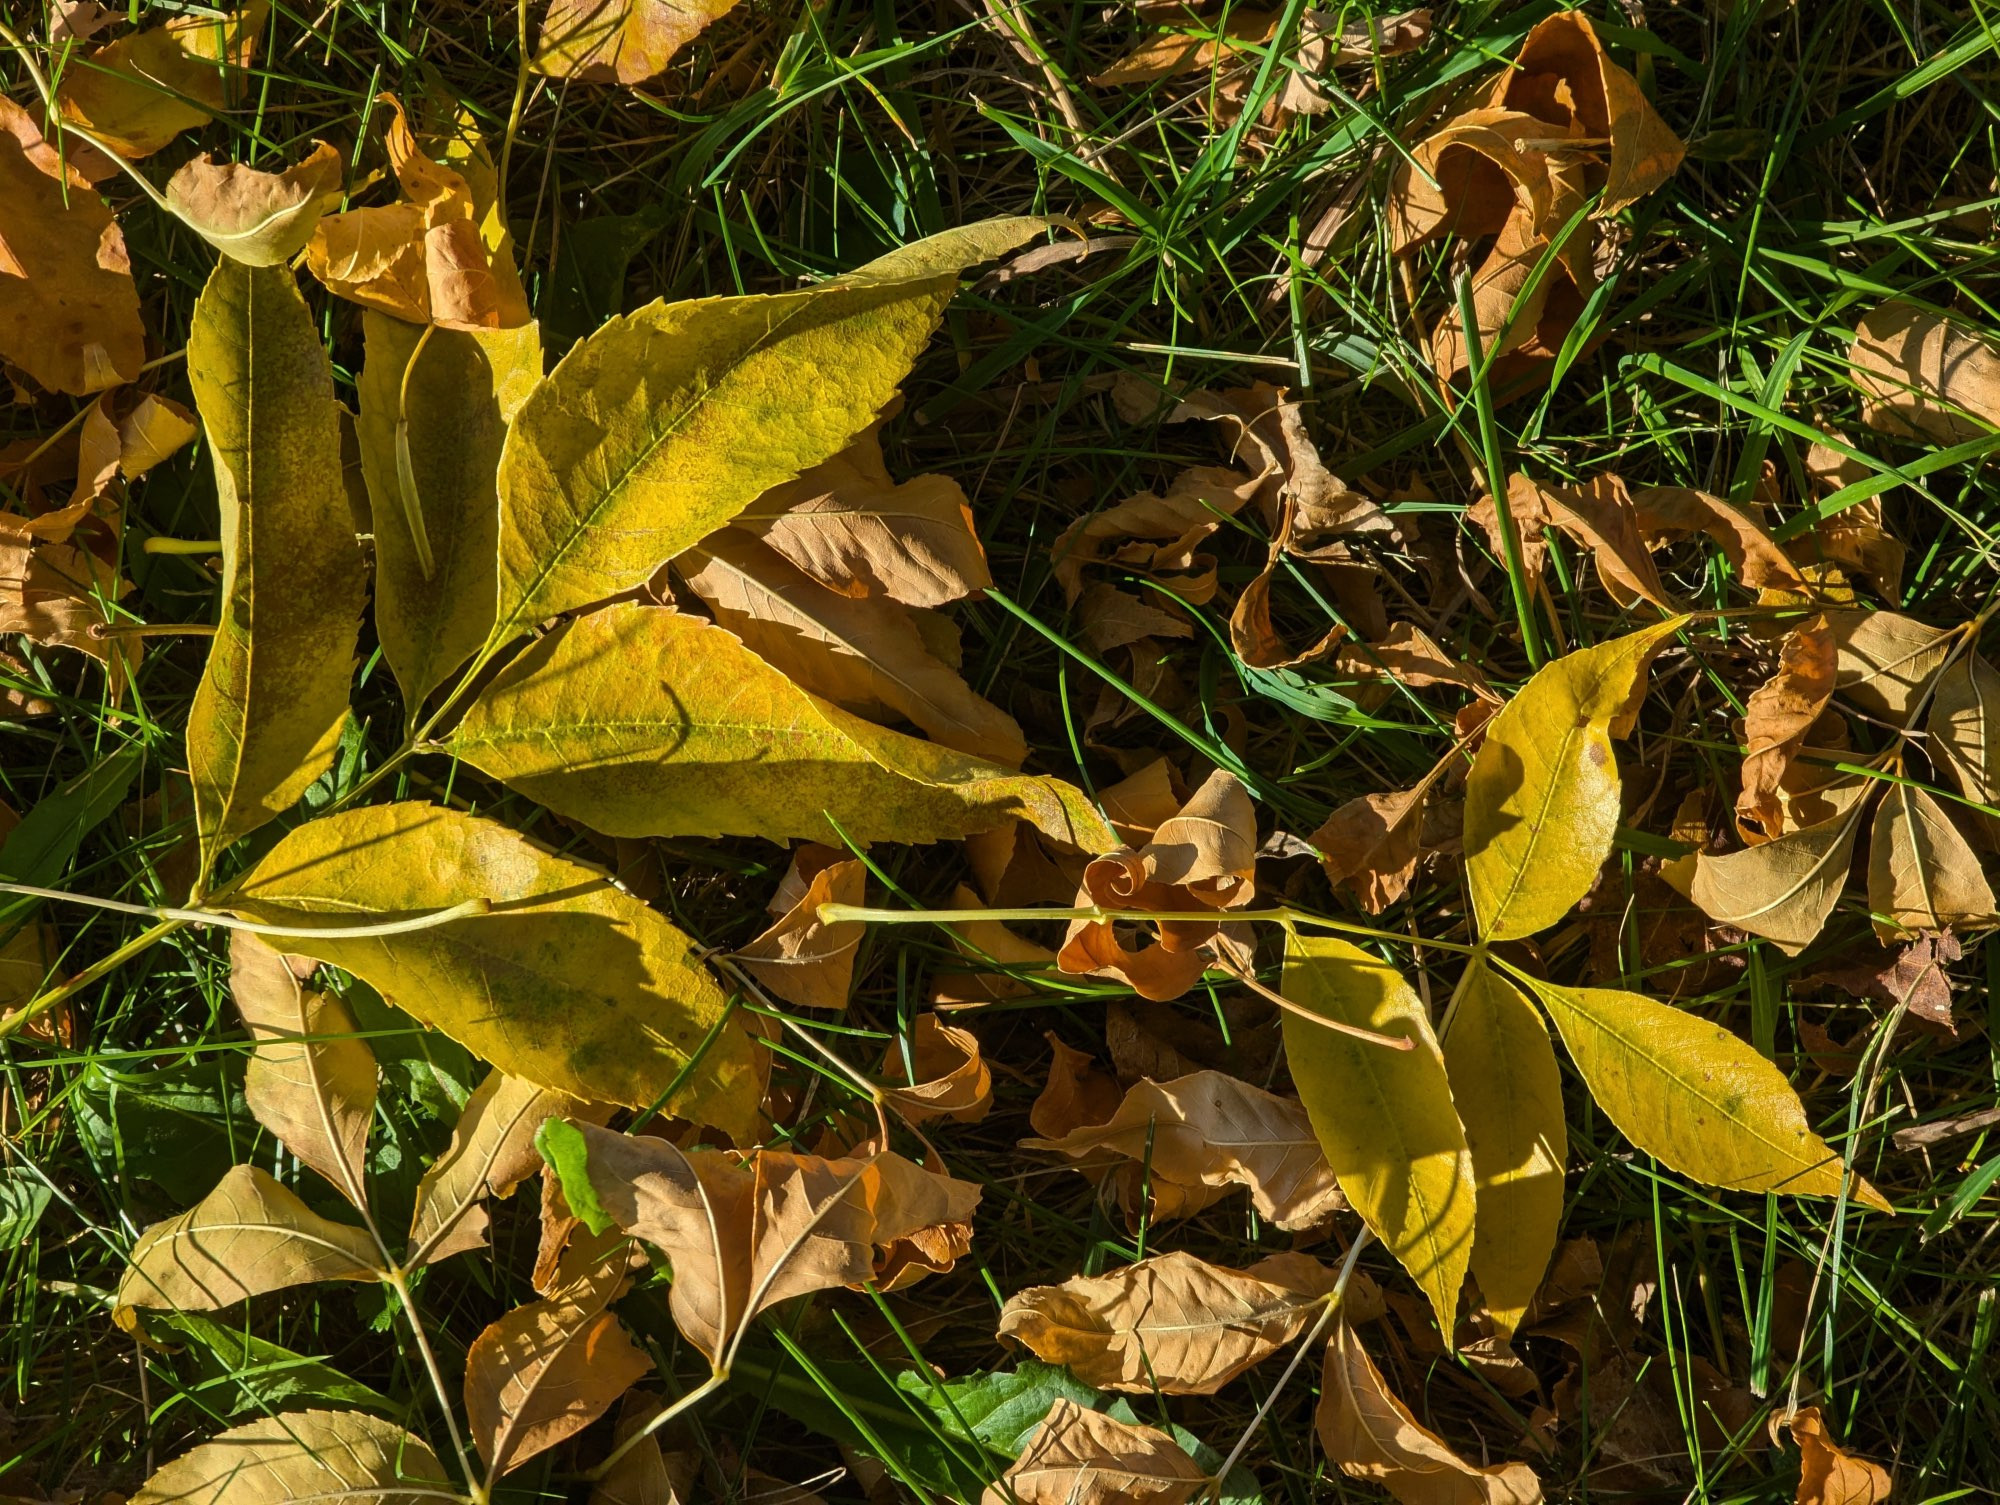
(1076,1095)
(1914,975)
(1373,845)
(643,1475)
(1191,1141)
(140,92)
(1776,720)
(803,961)
(1157,536)
(986,941)
(1173,1322)
(1668,514)
(1372,1435)
(1412,657)
(1108,618)
(1964,727)
(1923,876)
(1885,660)
(1925,376)
(851,528)
(55,595)
(865,655)
(1079,1457)
(547,1370)
(1827,1475)
(620,41)
(947,1077)
(69,311)
(258,218)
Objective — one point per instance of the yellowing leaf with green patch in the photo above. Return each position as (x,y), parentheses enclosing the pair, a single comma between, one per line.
(1694,1096)
(273,697)
(300,1456)
(640,721)
(665,423)
(248,1236)
(1542,802)
(1508,1091)
(431,434)
(1384,1116)
(1783,890)
(569,982)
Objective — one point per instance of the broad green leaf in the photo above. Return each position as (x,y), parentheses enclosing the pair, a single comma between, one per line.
(666,423)
(267,714)
(40,848)
(452,410)
(570,982)
(1541,805)
(1384,1117)
(254,1374)
(491,1153)
(1508,1089)
(1923,875)
(639,721)
(176,1127)
(248,1236)
(1783,890)
(322,1456)
(1688,1092)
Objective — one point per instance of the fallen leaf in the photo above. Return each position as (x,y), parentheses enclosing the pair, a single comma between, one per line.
(801,959)
(1777,717)
(1964,728)
(1924,376)
(1828,1475)
(947,1076)
(1690,1093)
(992,943)
(1372,1435)
(568,982)
(1886,660)
(311,1080)
(1923,876)
(1373,844)
(138,93)
(620,41)
(1784,889)
(1076,1094)
(1079,1457)
(1914,978)
(257,218)
(1172,1323)
(1157,536)
(69,310)
(155,429)
(302,1455)
(643,1475)
(1542,803)
(77,20)
(1384,1117)
(56,594)
(247,1237)
(1191,1141)
(1667,514)
(640,721)
(1411,657)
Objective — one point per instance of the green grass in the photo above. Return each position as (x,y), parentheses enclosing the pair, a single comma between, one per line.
(1841,152)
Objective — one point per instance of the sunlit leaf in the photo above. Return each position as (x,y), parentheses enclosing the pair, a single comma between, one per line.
(1923,876)
(258,218)
(1079,1457)
(301,1456)
(1783,890)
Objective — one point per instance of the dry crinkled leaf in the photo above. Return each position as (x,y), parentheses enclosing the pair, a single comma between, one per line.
(947,1076)
(1172,1322)
(69,311)
(1964,727)
(1829,1475)
(248,1236)
(1925,376)
(1384,1117)
(852,529)
(55,594)
(1689,1092)
(1914,978)
(1372,1435)
(1191,1141)
(268,713)
(801,959)
(1076,1095)
(568,982)
(1373,845)
(257,218)
(547,1370)
(301,1456)
(620,41)
(866,656)
(1079,1457)
(1784,889)
(1319,45)
(640,721)
(1886,659)
(1158,536)
(140,92)
(1413,657)
(1923,876)
(1776,720)
(1542,802)
(310,1081)
(1667,514)
(745,1234)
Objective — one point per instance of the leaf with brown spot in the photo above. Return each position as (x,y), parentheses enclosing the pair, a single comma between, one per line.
(1079,1457)
(946,1075)
(1923,876)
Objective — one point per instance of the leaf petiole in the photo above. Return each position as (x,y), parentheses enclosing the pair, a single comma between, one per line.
(834,914)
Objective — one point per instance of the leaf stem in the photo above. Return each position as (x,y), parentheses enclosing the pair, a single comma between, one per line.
(226,921)
(398,1281)
(35,1007)
(653,1424)
(833,914)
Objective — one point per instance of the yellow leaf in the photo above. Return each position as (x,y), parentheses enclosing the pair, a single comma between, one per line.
(1964,726)
(273,697)
(302,1455)
(620,41)
(1079,1457)
(1542,802)
(248,1236)
(639,721)
(431,436)
(1384,1117)
(1783,890)
(570,982)
(1173,1322)
(1688,1092)
(1923,876)
(307,1084)
(257,218)
(138,93)
(1508,1090)
(1372,1435)
(660,427)
(1885,659)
